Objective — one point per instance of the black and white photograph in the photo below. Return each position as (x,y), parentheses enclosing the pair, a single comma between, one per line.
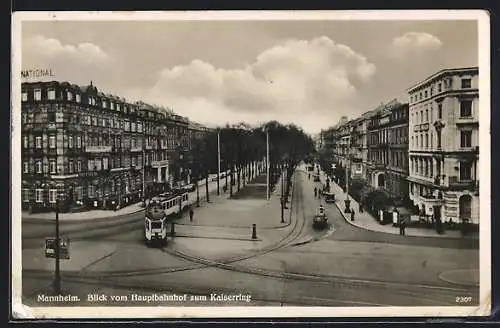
(250,164)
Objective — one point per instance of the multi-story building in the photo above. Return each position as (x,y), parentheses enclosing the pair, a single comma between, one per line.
(388,151)
(89,149)
(444,145)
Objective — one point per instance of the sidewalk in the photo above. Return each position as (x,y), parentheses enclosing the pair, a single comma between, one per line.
(83,216)
(239,213)
(366,221)
(106,214)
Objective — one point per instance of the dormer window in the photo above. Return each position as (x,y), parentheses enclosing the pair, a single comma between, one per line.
(51,94)
(112,105)
(37,94)
(117,106)
(78,98)
(69,95)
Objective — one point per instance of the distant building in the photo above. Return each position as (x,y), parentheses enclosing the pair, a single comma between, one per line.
(388,151)
(444,145)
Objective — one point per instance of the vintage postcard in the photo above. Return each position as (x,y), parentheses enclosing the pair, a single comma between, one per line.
(250,164)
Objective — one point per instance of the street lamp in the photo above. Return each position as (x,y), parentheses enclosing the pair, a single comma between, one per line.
(57,277)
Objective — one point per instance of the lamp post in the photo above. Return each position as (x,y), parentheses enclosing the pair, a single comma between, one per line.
(218,161)
(57,277)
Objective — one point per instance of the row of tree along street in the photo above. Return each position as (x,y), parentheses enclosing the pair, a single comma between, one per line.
(243,147)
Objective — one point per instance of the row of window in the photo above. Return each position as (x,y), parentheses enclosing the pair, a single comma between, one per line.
(465,110)
(392,158)
(432,168)
(92,164)
(425,140)
(92,191)
(101,140)
(397,135)
(465,83)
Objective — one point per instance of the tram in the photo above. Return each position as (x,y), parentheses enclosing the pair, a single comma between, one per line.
(155,229)
(159,209)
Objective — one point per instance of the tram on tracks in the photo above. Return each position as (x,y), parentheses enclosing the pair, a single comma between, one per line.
(157,213)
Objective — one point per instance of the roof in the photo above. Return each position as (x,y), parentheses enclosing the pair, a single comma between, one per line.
(442,72)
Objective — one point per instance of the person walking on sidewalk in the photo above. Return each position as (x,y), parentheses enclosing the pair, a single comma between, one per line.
(352,214)
(402,226)
(191,214)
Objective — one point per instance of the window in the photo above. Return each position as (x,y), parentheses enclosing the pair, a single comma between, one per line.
(70,142)
(466,83)
(52,141)
(38,166)
(52,195)
(26,167)
(425,94)
(52,166)
(439,87)
(466,108)
(38,142)
(427,115)
(438,136)
(416,140)
(26,195)
(465,139)
(24,96)
(78,98)
(69,95)
(440,111)
(39,195)
(79,142)
(104,104)
(51,117)
(79,166)
(105,163)
(431,142)
(71,167)
(51,94)
(426,140)
(38,94)
(25,141)
(465,170)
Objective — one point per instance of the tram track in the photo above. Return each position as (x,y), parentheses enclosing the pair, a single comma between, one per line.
(230,264)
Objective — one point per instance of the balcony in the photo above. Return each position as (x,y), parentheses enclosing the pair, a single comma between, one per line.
(431,199)
(98,149)
(454,183)
(467,121)
(157,164)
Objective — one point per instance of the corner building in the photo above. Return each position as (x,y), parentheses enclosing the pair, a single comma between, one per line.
(93,150)
(444,145)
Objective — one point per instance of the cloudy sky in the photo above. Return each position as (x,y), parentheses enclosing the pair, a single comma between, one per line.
(306,72)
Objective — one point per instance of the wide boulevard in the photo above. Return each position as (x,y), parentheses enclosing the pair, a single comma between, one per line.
(289,263)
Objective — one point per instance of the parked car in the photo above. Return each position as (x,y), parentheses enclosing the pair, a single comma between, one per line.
(329,197)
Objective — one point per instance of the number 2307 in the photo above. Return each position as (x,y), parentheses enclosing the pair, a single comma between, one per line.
(463,299)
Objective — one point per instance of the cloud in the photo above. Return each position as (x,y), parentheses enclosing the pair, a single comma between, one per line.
(414,43)
(295,81)
(79,63)
(49,48)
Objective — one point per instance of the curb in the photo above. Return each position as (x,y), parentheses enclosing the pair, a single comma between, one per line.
(70,221)
(440,277)
(220,238)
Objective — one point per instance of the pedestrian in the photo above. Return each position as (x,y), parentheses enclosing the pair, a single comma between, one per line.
(402,226)
(191,214)
(360,207)
(352,214)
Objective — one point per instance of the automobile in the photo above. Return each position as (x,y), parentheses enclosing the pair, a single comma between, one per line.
(320,221)
(329,197)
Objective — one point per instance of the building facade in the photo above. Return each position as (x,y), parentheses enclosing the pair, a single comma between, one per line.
(388,151)
(93,150)
(444,145)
